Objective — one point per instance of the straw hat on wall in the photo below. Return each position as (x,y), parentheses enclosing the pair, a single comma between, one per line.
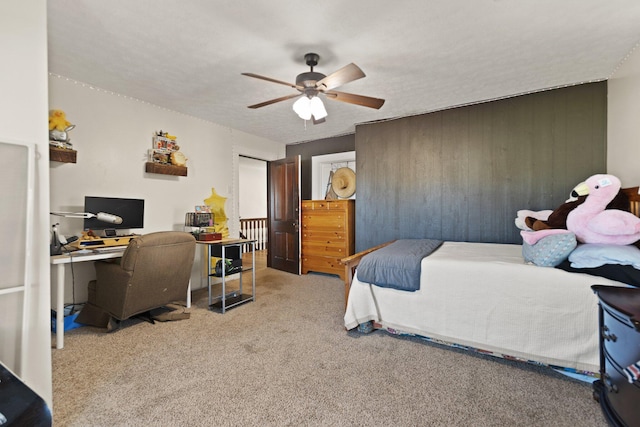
(343,182)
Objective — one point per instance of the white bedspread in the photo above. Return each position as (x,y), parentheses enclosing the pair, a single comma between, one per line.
(485,296)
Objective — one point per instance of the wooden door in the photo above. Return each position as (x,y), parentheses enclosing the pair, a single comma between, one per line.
(283,216)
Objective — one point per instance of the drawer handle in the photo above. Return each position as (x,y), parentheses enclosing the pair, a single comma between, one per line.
(607,336)
(611,387)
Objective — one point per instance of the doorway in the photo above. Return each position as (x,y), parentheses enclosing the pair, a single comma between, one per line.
(252,197)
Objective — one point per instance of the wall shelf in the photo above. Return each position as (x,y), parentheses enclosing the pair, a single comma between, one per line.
(63,155)
(166,169)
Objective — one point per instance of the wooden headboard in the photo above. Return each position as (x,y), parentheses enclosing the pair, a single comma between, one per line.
(350,263)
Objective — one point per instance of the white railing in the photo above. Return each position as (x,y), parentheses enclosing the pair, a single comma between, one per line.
(255,229)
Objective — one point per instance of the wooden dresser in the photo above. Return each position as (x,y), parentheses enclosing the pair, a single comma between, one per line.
(327,234)
(619,392)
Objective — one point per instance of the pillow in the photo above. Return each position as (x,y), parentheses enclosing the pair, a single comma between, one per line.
(590,255)
(532,237)
(550,250)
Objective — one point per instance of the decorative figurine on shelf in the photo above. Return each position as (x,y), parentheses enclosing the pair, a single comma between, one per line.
(178,159)
(166,150)
(59,127)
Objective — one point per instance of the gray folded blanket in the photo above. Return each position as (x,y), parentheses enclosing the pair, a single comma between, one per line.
(396,265)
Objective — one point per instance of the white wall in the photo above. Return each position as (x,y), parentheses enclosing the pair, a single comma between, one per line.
(23,118)
(112,136)
(623,127)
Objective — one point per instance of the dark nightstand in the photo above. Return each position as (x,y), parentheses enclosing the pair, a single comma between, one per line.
(19,405)
(619,348)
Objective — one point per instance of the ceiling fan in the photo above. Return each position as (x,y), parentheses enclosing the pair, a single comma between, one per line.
(311,84)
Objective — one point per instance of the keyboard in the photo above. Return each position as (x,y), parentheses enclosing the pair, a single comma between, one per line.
(110,249)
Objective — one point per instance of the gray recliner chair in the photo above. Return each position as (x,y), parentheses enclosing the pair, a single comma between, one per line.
(153,272)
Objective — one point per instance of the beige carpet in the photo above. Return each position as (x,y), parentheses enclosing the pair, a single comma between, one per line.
(285,360)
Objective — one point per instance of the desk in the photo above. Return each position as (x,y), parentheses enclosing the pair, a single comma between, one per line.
(226,299)
(58,262)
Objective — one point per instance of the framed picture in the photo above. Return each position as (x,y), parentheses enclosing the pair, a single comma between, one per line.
(160,142)
(159,156)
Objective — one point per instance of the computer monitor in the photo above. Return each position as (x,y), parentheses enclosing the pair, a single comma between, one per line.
(130,210)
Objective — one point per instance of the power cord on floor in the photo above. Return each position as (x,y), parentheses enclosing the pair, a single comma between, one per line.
(67,250)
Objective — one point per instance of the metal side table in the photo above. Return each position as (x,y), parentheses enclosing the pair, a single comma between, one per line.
(228,299)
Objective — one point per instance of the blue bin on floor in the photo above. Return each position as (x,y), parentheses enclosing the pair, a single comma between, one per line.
(69,320)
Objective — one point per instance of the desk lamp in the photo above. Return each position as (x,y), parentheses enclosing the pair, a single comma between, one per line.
(56,247)
(100,216)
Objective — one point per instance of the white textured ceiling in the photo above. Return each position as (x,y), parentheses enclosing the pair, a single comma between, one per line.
(419,55)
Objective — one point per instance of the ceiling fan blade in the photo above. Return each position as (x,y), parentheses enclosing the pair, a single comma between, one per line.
(273,101)
(365,101)
(269,79)
(317,122)
(344,75)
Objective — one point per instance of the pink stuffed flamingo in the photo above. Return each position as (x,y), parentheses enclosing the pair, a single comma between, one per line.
(591,223)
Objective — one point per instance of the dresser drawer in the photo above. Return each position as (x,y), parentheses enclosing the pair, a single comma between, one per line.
(323,264)
(622,395)
(332,205)
(323,221)
(324,249)
(326,236)
(620,340)
(337,205)
(307,205)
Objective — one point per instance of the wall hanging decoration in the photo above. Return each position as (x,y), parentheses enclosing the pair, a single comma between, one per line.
(165,156)
(341,183)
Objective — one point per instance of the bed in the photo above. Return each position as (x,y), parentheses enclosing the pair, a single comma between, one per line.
(485,297)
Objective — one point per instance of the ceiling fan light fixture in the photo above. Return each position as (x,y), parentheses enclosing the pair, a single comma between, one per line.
(317,108)
(302,107)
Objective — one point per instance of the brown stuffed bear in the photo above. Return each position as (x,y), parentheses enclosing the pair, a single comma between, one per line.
(558,218)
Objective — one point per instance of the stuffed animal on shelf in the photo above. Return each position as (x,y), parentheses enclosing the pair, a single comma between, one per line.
(592,222)
(59,127)
(58,120)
